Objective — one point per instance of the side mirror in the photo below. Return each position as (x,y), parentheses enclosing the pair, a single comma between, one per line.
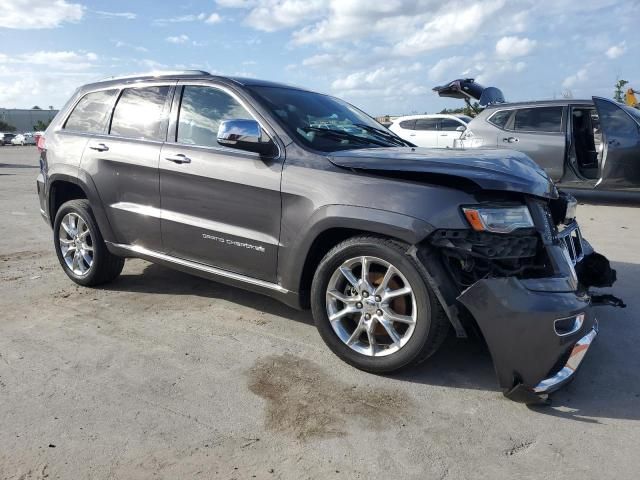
(244,135)
(461,128)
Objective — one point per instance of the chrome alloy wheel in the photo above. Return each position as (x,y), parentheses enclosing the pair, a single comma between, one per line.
(76,244)
(371,306)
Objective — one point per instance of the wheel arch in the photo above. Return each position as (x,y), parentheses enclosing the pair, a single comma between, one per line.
(63,187)
(333,224)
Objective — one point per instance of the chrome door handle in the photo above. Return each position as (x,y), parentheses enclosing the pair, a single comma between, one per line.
(412,134)
(100,147)
(178,158)
(443,134)
(511,139)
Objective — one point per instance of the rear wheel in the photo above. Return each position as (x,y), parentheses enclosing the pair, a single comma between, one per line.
(81,250)
(373,307)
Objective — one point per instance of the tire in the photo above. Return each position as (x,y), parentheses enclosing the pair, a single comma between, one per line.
(375,350)
(94,264)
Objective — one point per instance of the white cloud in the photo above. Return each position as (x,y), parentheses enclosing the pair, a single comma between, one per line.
(213,18)
(512,47)
(180,19)
(37,14)
(456,26)
(443,67)
(54,60)
(616,51)
(235,3)
(576,79)
(178,39)
(137,48)
(272,15)
(125,15)
(383,81)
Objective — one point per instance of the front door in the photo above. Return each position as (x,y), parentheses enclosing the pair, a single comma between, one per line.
(538,132)
(426,132)
(448,132)
(220,206)
(619,164)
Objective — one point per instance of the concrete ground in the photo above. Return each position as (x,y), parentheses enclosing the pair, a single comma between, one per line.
(164,375)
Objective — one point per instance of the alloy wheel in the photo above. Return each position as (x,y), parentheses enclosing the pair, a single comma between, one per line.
(76,244)
(371,306)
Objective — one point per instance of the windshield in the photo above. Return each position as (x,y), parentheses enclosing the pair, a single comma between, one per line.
(324,123)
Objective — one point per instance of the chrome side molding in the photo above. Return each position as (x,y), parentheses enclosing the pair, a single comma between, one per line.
(145,252)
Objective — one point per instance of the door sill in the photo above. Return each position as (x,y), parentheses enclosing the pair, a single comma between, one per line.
(139,251)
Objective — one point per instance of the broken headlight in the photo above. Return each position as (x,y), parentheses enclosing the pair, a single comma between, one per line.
(498,219)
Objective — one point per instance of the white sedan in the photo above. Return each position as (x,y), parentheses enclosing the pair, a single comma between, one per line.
(23,139)
(433,131)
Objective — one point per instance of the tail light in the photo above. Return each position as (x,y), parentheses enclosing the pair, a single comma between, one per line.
(40,143)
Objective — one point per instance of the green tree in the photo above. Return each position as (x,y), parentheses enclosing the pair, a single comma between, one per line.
(5,127)
(41,126)
(618,93)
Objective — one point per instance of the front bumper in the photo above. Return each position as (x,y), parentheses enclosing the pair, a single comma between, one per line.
(531,357)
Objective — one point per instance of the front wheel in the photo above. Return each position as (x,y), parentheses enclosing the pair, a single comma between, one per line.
(373,307)
(81,250)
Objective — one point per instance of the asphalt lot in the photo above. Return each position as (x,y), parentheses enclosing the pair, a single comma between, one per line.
(164,375)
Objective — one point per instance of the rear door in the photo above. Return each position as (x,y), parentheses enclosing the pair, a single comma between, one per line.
(619,164)
(220,206)
(426,132)
(448,132)
(123,163)
(538,132)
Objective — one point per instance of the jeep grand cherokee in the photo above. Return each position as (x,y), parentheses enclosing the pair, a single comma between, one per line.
(305,198)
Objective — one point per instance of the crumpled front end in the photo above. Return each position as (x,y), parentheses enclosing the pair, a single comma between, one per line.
(528,292)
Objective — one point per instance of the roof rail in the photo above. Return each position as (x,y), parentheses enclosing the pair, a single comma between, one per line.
(158,73)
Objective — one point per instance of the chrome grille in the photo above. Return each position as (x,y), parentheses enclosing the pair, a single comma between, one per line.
(571,239)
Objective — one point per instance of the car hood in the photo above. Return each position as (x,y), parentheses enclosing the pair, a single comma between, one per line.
(505,170)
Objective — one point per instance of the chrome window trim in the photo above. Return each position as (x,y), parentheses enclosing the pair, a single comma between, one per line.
(175,119)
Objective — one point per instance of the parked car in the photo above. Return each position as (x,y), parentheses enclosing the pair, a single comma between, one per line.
(5,138)
(431,131)
(23,139)
(579,143)
(305,198)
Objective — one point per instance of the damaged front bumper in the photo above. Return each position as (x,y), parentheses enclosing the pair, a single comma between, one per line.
(537,336)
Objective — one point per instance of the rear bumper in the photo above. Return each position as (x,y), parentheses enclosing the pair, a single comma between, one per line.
(532,356)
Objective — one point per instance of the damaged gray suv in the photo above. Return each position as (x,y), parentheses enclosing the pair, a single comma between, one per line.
(305,198)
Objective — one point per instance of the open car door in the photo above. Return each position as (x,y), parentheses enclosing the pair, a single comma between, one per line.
(619,162)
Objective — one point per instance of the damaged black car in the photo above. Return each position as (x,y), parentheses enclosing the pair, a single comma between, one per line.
(305,198)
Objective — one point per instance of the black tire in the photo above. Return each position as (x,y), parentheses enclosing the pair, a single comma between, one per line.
(431,326)
(105,266)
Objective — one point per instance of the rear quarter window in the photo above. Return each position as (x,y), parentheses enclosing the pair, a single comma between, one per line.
(500,119)
(408,124)
(138,113)
(91,113)
(539,119)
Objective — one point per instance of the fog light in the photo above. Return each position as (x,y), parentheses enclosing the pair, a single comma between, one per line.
(569,325)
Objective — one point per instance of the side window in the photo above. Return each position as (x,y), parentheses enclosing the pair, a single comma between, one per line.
(500,119)
(449,125)
(408,124)
(426,124)
(540,119)
(138,113)
(201,111)
(91,113)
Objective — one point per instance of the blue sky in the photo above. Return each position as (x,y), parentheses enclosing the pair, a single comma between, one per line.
(382,56)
